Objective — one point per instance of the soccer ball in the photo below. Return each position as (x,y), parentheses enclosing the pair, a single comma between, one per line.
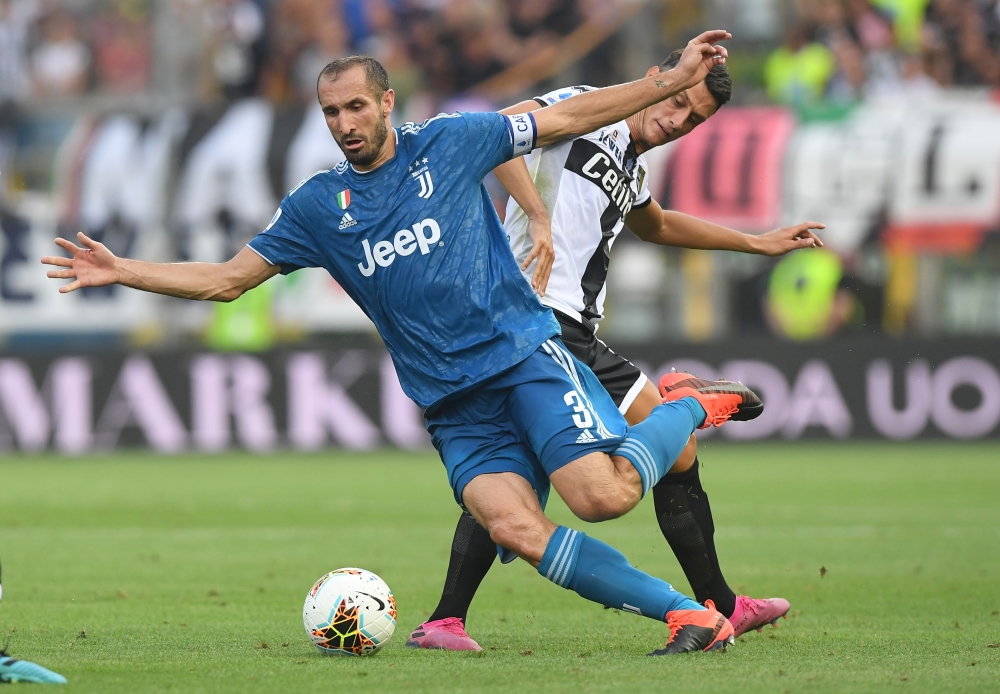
(349,612)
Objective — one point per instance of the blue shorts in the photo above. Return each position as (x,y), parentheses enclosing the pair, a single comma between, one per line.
(531,420)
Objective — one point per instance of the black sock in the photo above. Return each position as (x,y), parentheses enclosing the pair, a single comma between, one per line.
(685,520)
(472,555)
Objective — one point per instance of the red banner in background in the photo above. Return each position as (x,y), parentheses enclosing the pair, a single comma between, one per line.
(729,169)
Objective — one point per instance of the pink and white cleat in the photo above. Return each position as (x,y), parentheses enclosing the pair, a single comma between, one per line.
(754,614)
(446,634)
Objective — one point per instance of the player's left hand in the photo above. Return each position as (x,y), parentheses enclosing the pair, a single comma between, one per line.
(542,253)
(786,239)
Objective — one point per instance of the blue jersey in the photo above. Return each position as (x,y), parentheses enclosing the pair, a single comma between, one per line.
(418,245)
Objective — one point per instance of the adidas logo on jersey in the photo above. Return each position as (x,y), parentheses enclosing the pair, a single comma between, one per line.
(586,437)
(347,221)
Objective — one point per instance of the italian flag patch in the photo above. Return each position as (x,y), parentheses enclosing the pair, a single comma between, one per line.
(343,199)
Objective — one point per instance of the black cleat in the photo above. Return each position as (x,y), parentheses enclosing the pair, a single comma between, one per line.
(697,630)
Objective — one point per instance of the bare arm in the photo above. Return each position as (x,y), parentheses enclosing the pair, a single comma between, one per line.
(668,228)
(95,266)
(515,178)
(521,107)
(586,113)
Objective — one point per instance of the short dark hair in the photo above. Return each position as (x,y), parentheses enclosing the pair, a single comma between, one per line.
(375,75)
(719,83)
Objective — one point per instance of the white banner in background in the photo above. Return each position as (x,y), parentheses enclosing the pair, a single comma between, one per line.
(115,185)
(841,174)
(949,167)
(918,164)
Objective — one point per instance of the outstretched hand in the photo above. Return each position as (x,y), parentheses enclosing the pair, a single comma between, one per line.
(701,55)
(91,266)
(786,239)
(542,252)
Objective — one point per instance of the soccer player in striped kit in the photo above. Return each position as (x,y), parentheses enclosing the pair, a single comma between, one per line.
(590,187)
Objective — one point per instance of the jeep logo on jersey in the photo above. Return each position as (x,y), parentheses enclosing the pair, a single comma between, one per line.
(422,235)
(590,161)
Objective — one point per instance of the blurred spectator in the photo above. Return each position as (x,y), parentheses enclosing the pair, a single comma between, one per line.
(799,71)
(878,41)
(366,20)
(811,294)
(122,40)
(470,39)
(434,50)
(957,40)
(848,82)
(330,42)
(235,46)
(873,29)
(15,80)
(885,48)
(543,20)
(914,78)
(292,30)
(15,18)
(60,63)
(802,297)
(907,17)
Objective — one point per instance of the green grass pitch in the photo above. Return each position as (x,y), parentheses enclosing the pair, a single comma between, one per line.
(134,573)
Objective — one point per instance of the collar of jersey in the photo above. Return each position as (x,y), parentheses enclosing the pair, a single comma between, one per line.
(350,167)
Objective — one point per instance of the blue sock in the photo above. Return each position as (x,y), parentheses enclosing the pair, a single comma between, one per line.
(599,572)
(653,444)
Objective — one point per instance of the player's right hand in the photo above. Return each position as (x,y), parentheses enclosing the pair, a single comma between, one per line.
(91,266)
(701,55)
(787,239)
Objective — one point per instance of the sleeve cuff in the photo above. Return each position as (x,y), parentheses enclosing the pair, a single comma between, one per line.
(266,259)
(638,205)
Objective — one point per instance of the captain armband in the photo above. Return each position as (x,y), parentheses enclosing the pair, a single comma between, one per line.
(523,132)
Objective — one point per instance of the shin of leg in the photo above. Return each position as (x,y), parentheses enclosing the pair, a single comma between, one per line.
(687,457)
(506,505)
(598,487)
(472,554)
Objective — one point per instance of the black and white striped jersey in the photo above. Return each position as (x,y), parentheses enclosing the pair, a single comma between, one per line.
(589,185)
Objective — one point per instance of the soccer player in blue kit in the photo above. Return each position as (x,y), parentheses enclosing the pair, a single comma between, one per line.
(408,230)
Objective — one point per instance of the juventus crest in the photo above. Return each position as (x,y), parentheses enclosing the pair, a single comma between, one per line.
(420,171)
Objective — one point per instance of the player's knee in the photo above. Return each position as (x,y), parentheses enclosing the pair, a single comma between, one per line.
(626,499)
(514,533)
(599,505)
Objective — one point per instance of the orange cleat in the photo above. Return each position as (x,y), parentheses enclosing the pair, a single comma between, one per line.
(722,400)
(697,630)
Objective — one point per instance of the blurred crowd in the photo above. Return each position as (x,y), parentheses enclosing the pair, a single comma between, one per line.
(834,50)
(60,48)
(48,49)
(845,50)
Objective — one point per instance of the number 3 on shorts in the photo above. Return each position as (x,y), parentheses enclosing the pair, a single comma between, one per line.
(582,417)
